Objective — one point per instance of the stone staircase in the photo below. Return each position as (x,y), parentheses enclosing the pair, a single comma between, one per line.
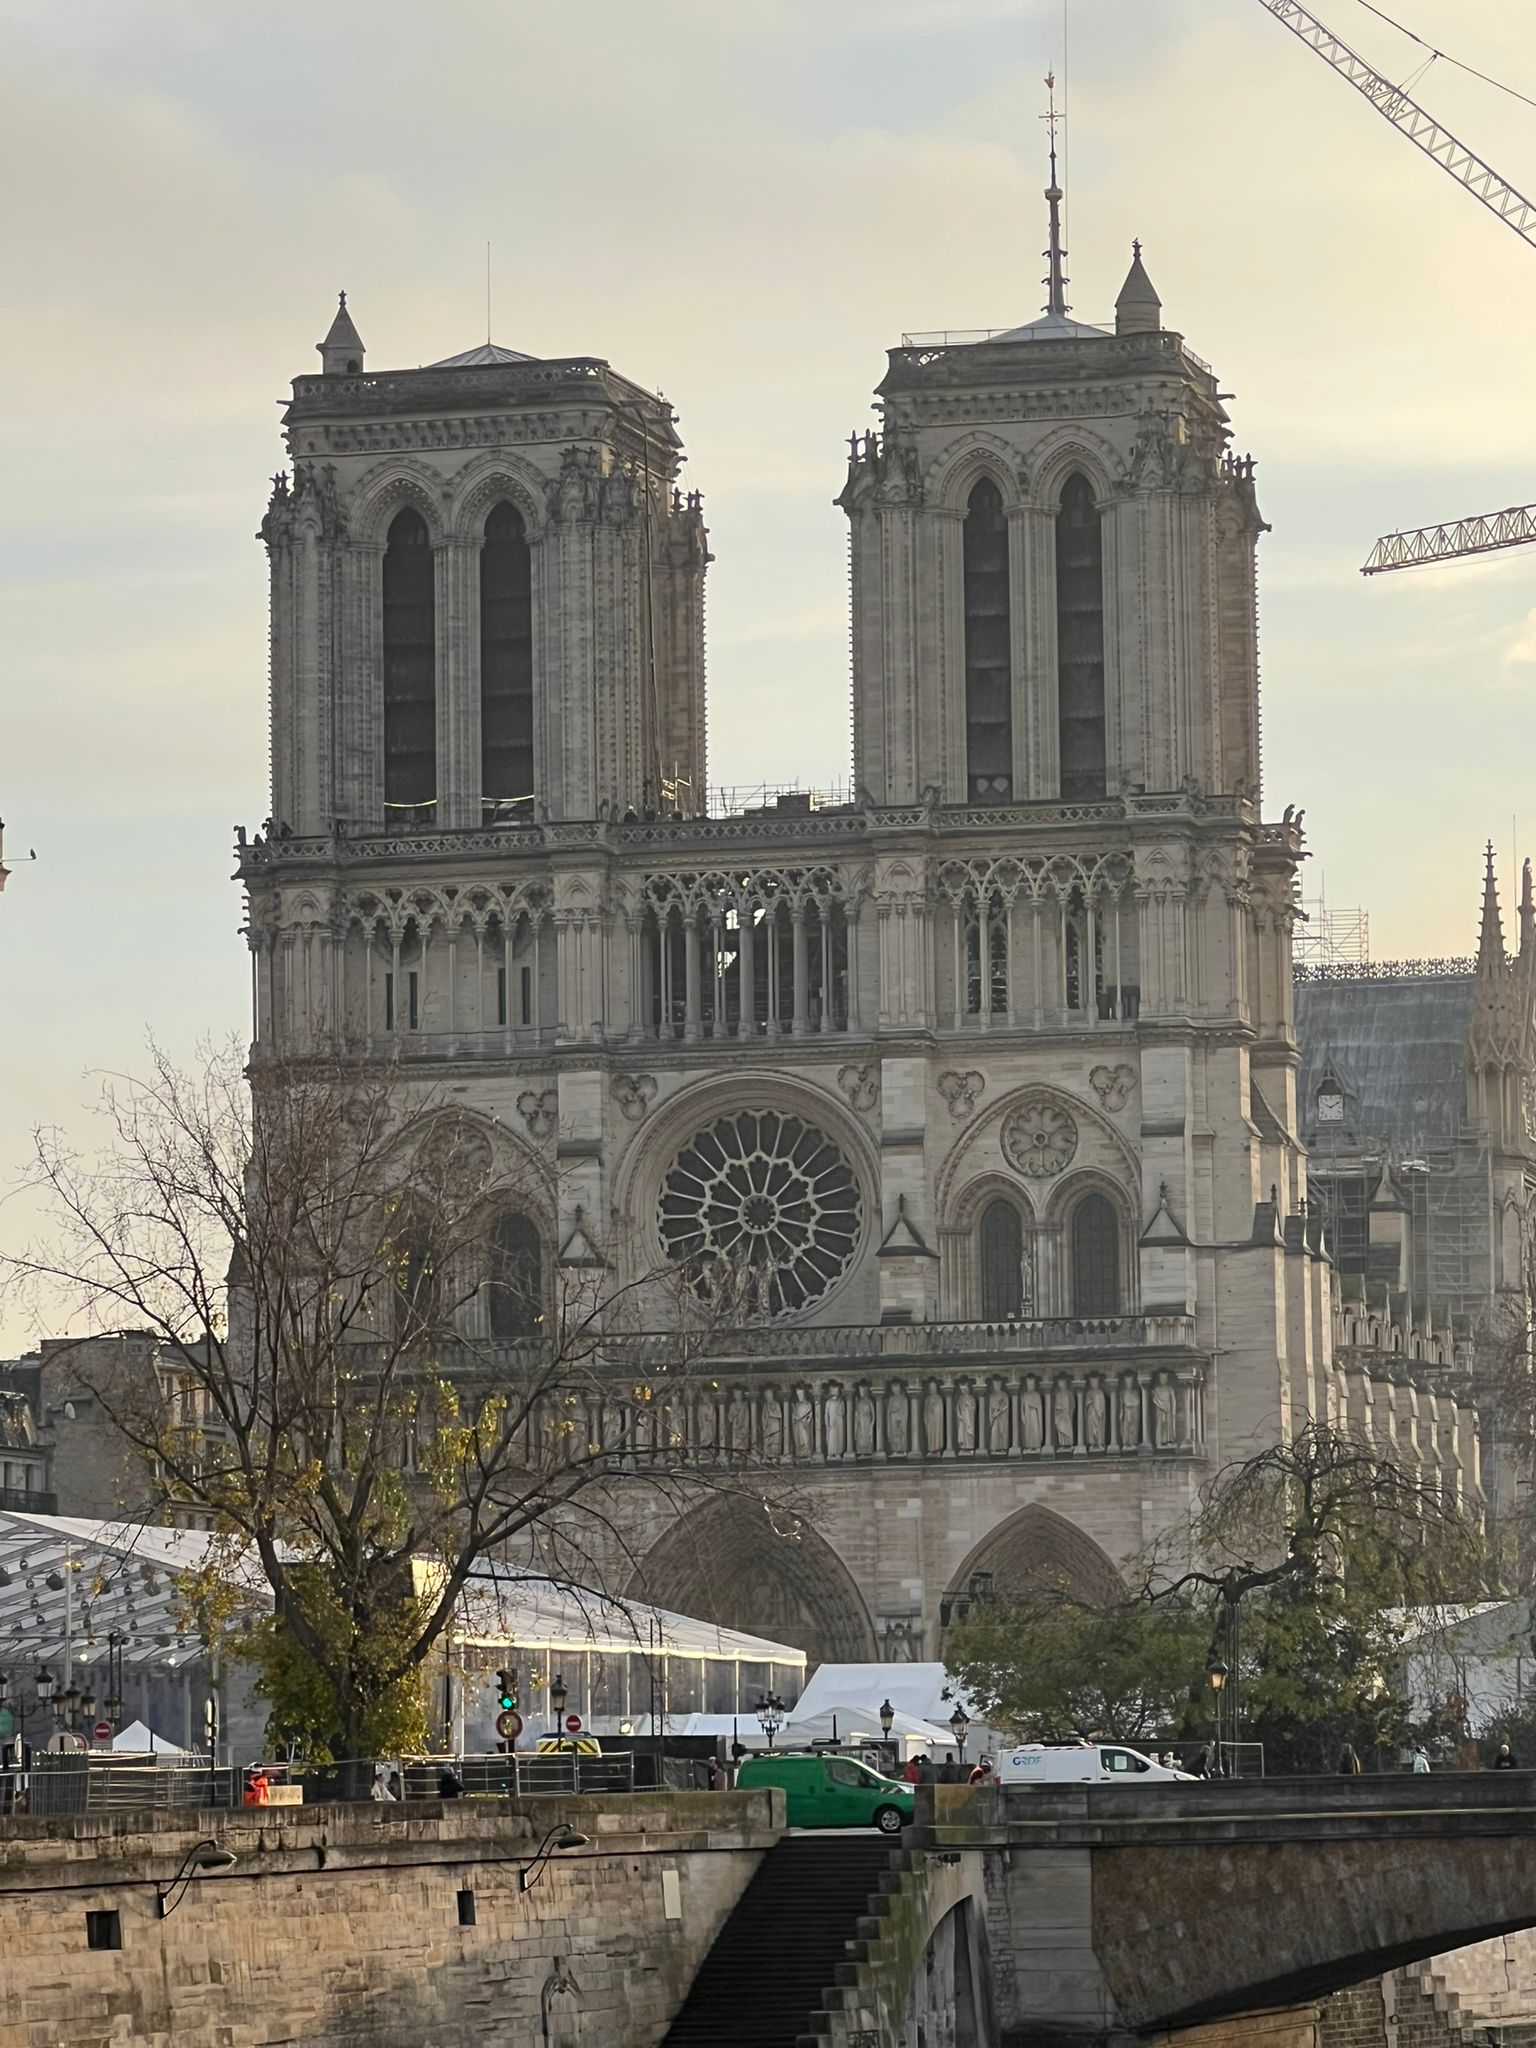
(776,1974)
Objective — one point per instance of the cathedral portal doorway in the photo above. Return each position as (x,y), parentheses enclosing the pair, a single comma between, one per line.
(729,1562)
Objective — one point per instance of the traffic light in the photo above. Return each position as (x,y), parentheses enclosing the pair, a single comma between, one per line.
(506,1691)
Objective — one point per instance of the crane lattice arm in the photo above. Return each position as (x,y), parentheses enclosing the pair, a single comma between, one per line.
(1389,100)
(1480,536)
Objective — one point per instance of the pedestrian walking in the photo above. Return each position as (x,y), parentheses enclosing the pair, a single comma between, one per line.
(981,1771)
(380,1787)
(912,1770)
(1200,1762)
(449,1784)
(1349,1761)
(1505,1761)
(1420,1762)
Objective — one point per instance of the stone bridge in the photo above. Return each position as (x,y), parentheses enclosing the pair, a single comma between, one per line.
(1129,1912)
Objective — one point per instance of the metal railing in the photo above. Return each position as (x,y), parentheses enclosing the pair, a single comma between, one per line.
(57,1786)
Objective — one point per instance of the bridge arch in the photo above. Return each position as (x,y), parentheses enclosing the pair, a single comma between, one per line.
(729,1561)
(1040,1551)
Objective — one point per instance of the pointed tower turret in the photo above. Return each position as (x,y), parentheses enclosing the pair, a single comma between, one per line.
(1527,924)
(1138,310)
(341,352)
(1491,957)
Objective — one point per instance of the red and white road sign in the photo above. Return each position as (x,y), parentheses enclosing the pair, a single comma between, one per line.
(509,1725)
(103,1731)
(573,1724)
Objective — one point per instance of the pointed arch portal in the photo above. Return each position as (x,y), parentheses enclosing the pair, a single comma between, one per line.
(730,1563)
(1039,1551)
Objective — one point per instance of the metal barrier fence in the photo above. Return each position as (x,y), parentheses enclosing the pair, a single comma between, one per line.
(76,1784)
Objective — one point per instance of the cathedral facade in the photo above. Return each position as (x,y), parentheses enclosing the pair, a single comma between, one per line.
(980,1088)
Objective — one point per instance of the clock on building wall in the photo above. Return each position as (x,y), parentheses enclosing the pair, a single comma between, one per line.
(1330,1107)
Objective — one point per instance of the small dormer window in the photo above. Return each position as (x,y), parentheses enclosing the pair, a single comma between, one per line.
(1330,1106)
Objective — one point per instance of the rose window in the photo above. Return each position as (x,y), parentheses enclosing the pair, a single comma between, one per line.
(765,1209)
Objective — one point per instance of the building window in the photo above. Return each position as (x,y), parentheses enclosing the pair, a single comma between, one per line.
(517,1277)
(986,957)
(103,1930)
(1002,1263)
(988,649)
(1095,1258)
(506,663)
(410,669)
(415,1288)
(1080,641)
(501,995)
(466,1908)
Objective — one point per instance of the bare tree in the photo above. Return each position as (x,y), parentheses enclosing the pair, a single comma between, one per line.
(385,1364)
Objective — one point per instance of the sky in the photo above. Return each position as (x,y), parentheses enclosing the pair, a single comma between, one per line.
(743,203)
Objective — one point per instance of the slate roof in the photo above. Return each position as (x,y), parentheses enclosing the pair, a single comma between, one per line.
(1399,1044)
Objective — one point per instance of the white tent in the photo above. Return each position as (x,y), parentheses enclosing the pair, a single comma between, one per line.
(847,1725)
(921,1690)
(137,1739)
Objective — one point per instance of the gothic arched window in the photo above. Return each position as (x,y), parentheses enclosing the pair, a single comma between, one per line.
(988,649)
(415,1288)
(517,1277)
(1002,1263)
(506,662)
(1095,1240)
(1080,641)
(410,667)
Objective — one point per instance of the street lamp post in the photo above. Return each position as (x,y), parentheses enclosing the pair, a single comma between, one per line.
(1216,1672)
(960,1727)
(559,1693)
(770,1715)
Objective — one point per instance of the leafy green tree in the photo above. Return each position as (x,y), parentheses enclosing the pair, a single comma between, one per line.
(1049,1667)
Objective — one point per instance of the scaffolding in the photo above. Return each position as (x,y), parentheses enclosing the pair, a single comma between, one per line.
(1332,938)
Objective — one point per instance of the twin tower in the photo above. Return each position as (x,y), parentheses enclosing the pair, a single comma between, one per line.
(981,1085)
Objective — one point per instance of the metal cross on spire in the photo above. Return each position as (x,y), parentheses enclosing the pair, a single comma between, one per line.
(1055,281)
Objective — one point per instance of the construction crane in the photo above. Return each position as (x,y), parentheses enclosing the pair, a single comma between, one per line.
(1487,531)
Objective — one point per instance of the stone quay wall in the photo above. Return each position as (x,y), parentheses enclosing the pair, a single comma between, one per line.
(399,1926)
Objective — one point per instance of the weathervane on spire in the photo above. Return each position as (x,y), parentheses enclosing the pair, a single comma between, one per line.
(1056,279)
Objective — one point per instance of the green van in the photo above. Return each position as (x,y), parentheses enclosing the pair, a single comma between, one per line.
(831,1791)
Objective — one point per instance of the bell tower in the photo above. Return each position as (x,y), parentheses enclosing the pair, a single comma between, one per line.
(487,595)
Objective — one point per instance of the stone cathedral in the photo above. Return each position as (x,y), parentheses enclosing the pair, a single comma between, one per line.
(981,1086)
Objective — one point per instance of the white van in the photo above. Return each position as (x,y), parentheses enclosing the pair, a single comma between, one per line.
(1083,1763)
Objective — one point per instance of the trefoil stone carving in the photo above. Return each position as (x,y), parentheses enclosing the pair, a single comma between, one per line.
(960,1091)
(539,1109)
(634,1093)
(1113,1085)
(861,1085)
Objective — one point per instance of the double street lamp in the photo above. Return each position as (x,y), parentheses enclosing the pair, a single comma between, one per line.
(770,1715)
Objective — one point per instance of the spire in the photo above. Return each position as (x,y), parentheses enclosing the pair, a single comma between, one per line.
(341,352)
(1138,310)
(1490,940)
(1527,921)
(1055,280)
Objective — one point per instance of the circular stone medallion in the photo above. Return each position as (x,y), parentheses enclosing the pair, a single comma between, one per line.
(1039,1137)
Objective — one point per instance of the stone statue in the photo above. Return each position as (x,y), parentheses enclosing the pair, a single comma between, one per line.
(643,1427)
(1062,1416)
(965,1418)
(834,1422)
(773,1425)
(1031,1418)
(898,1420)
(1130,1415)
(863,1421)
(898,1643)
(1094,1416)
(802,1424)
(739,1421)
(933,1421)
(1165,1415)
(997,1417)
